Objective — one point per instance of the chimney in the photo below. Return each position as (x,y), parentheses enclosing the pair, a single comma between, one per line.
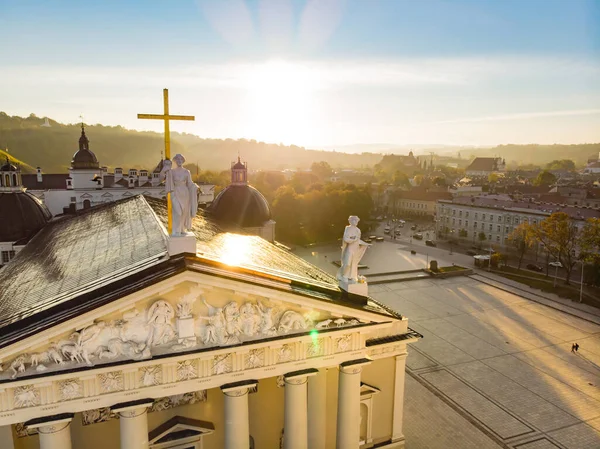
(118,174)
(69,183)
(39,174)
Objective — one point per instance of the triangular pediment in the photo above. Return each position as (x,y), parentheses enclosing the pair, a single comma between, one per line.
(191,312)
(179,429)
(86,196)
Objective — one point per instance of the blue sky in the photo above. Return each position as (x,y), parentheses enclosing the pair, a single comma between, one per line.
(313,73)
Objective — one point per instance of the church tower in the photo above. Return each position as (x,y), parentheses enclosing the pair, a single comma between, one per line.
(85,169)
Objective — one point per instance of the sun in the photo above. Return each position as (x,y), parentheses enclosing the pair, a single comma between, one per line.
(279,101)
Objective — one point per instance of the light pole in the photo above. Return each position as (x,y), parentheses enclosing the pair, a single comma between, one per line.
(581,283)
(451,240)
(490,261)
(555,274)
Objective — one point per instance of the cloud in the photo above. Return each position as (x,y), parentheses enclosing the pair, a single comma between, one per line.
(523,116)
(317,74)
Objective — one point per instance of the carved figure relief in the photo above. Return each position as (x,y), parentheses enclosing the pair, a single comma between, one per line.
(97,415)
(160,315)
(27,396)
(255,358)
(323,324)
(70,389)
(186,370)
(151,375)
(314,349)
(222,364)
(110,382)
(168,402)
(343,344)
(284,354)
(291,320)
(214,331)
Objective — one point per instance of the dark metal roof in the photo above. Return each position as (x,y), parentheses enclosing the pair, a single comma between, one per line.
(74,255)
(8,166)
(240,205)
(22,215)
(51,181)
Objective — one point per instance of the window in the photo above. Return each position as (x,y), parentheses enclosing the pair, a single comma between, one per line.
(466,224)
(490,237)
(482,226)
(491,217)
(475,215)
(454,221)
(499,228)
(453,211)
(483,216)
(475,225)
(491,227)
(460,214)
(497,238)
(467,214)
(460,222)
(5,257)
(500,218)
(506,229)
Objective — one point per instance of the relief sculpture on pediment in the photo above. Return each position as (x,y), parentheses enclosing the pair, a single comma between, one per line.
(164,328)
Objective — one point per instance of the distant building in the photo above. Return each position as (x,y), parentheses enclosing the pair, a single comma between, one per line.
(593,166)
(485,166)
(88,184)
(419,202)
(497,215)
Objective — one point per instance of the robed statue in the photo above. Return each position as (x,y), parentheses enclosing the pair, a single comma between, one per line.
(184,194)
(353,249)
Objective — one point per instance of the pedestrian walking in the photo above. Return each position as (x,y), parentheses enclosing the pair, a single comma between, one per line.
(573,347)
(576,347)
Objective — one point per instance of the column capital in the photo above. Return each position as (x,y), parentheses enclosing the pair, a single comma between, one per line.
(132,409)
(50,424)
(354,366)
(236,389)
(299,377)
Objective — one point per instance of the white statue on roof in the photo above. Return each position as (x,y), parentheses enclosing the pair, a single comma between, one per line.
(353,249)
(184,195)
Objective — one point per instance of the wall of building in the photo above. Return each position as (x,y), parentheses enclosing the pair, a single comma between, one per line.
(266,411)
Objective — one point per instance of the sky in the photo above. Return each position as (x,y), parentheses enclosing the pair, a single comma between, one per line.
(314,73)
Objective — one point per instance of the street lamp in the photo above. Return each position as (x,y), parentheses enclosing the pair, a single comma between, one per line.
(451,240)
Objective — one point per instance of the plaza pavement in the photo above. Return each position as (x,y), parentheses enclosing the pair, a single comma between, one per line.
(494,368)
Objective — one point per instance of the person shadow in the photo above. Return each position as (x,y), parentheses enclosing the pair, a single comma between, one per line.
(579,354)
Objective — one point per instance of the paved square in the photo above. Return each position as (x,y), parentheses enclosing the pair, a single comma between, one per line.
(500,362)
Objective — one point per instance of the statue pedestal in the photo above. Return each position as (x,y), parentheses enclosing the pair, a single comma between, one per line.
(358,288)
(182,244)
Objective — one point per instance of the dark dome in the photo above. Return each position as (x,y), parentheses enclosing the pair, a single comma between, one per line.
(240,205)
(84,159)
(238,165)
(8,166)
(22,216)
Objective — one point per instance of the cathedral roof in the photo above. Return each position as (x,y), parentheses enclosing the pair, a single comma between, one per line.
(22,216)
(78,263)
(8,166)
(240,206)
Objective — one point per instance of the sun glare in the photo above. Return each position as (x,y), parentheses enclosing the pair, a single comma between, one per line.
(236,249)
(280,101)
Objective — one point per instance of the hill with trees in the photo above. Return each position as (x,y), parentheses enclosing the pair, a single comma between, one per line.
(53,147)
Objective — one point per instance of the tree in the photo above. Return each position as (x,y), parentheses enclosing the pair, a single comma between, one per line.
(522,240)
(321,170)
(590,240)
(482,238)
(545,178)
(558,234)
(440,181)
(562,164)
(418,179)
(492,178)
(462,233)
(400,179)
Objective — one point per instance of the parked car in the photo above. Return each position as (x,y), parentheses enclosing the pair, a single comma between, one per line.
(534,267)
(368,241)
(372,237)
(386,230)
(555,264)
(413,228)
(418,236)
(379,239)
(471,253)
(398,232)
(430,243)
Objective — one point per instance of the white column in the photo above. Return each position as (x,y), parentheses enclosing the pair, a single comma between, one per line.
(133,422)
(397,430)
(54,433)
(348,413)
(237,425)
(6,437)
(295,429)
(317,417)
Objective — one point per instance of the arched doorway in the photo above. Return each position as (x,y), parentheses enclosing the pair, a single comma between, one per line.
(87,204)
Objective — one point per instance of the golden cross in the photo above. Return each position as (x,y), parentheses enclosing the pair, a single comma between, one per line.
(166,117)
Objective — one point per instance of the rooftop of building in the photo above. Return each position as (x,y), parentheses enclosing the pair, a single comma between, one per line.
(504,202)
(77,263)
(483,164)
